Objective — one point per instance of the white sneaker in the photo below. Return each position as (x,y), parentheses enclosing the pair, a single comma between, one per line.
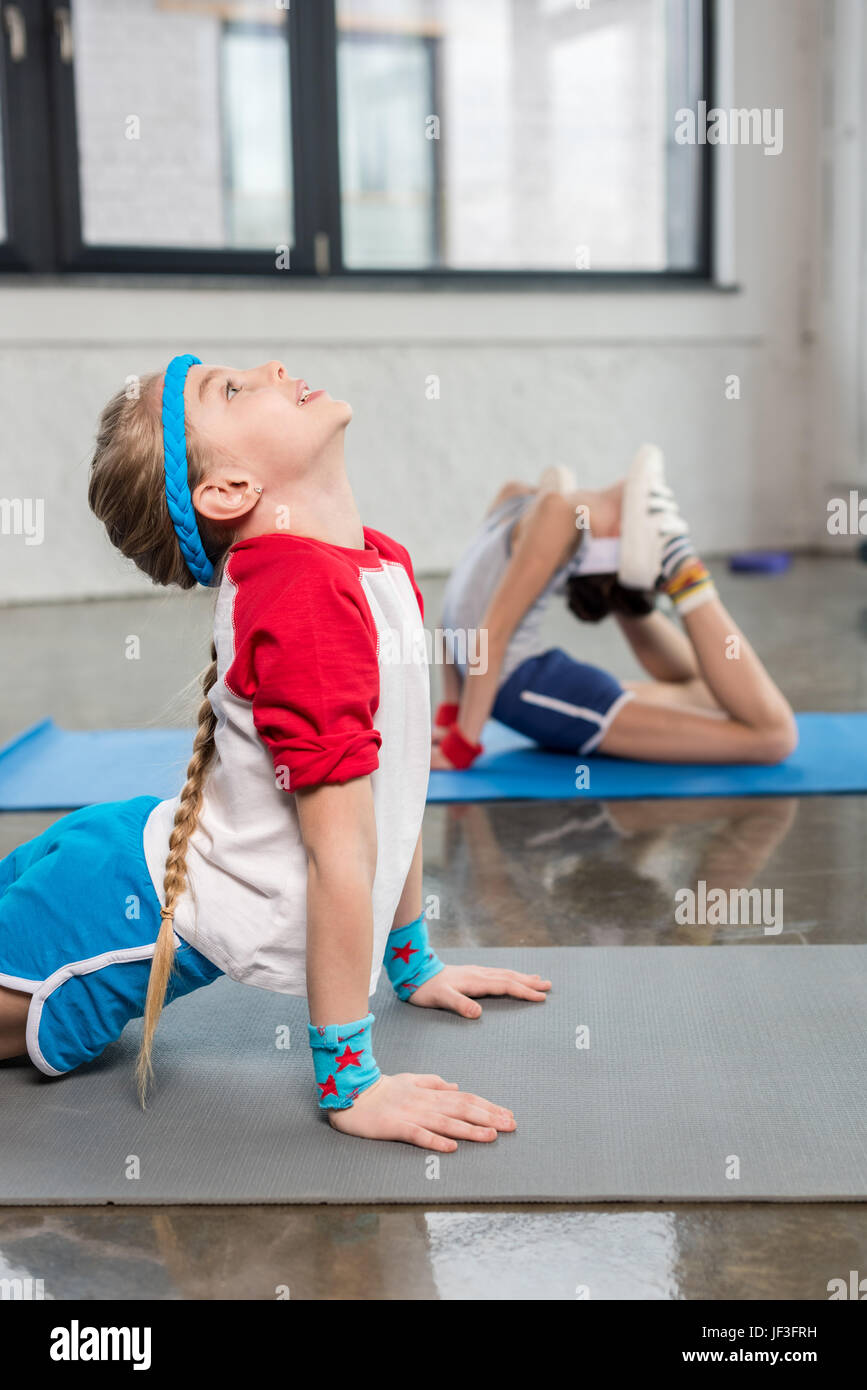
(650,520)
(557,478)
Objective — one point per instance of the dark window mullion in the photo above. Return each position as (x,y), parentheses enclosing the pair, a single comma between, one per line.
(708,190)
(64,123)
(300,83)
(688,184)
(30,218)
(315,119)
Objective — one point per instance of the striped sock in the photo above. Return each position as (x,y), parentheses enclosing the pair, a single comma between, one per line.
(676,553)
(690,586)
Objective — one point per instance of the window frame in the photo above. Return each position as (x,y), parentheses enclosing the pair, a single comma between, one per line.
(78,256)
(31,217)
(43,203)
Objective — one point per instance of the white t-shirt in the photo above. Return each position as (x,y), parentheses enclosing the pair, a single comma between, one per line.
(471,587)
(322,677)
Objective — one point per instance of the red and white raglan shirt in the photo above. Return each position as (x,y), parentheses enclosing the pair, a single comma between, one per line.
(322,677)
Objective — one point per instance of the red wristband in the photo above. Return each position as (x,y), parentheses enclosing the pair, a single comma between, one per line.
(459,751)
(446,715)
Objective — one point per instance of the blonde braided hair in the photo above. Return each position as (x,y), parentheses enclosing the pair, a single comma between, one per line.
(127,493)
(175,879)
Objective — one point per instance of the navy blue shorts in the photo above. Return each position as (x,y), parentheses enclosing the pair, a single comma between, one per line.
(559,702)
(79,917)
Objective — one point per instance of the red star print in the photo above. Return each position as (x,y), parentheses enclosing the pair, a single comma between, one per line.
(328,1088)
(349,1058)
(404,952)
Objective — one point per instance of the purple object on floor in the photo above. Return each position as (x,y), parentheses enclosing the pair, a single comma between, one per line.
(760,562)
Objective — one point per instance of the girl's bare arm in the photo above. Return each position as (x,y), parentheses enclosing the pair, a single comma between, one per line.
(339,832)
(338,828)
(547,537)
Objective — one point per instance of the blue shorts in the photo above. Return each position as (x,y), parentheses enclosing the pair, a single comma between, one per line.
(559,702)
(79,917)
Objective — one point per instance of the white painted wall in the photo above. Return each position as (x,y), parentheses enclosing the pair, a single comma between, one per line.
(841,266)
(526,378)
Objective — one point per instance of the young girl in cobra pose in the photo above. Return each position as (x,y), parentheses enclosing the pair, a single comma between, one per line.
(709,698)
(291,858)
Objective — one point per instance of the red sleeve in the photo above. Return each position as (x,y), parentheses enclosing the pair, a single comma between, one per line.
(394,551)
(308,663)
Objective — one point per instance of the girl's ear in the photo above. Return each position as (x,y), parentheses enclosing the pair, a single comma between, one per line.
(226,497)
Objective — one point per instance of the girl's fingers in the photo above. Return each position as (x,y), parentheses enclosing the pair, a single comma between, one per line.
(492,973)
(463,1129)
(426,1139)
(436,1083)
(481,1113)
(467,1098)
(499,987)
(461,1004)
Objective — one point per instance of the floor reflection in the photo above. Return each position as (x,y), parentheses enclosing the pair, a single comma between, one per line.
(695,1251)
(606,873)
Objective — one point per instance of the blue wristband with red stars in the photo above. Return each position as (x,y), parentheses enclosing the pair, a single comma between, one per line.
(343,1062)
(409,959)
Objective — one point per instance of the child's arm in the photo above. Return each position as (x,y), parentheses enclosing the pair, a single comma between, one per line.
(447,711)
(339,832)
(547,537)
(338,827)
(454,987)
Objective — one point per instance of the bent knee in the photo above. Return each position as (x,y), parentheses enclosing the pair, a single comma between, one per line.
(777,743)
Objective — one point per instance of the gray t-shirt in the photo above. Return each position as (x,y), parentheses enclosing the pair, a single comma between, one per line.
(471,585)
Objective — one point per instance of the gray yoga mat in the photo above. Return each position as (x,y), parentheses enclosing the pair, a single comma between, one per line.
(700,1058)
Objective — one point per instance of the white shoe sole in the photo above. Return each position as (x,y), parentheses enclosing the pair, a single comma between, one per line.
(642,543)
(640,550)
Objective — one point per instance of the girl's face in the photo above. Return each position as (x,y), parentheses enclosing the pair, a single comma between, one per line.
(261,418)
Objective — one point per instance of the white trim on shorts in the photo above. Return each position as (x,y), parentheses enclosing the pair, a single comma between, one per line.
(40,990)
(592,716)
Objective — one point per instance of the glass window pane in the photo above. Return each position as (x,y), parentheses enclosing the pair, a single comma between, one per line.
(183,123)
(556,145)
(256,131)
(387,174)
(3,227)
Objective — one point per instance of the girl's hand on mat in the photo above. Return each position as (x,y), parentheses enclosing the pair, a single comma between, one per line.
(438,759)
(422,1110)
(457,987)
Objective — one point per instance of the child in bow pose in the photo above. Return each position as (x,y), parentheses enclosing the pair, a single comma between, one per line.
(708,698)
(291,858)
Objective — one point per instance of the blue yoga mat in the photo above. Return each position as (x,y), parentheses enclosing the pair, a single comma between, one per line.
(47,768)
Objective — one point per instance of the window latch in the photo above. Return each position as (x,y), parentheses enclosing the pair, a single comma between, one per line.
(16,28)
(322,253)
(63,28)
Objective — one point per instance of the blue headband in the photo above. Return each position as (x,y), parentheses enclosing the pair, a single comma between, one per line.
(177,484)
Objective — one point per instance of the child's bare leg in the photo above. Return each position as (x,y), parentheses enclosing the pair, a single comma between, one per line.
(663,649)
(758,725)
(14,1004)
(668,657)
(753,721)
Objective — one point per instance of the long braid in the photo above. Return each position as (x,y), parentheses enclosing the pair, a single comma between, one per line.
(175,881)
(127,491)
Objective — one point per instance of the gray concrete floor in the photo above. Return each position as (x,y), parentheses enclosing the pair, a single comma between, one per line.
(512,873)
